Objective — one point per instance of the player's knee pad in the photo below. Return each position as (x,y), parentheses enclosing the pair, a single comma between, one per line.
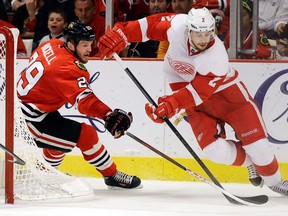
(260,152)
(88,138)
(225,152)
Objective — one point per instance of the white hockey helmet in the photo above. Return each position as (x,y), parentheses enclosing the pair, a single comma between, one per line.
(200,20)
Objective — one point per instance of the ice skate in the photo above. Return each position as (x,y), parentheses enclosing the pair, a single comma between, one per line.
(281,187)
(122,180)
(254,176)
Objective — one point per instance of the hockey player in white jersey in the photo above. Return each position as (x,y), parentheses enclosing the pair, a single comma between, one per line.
(197,68)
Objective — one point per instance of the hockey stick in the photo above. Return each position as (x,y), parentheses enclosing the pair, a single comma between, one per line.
(254,200)
(172,127)
(16,160)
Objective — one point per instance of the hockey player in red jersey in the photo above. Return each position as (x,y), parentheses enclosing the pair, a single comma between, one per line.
(56,75)
(197,68)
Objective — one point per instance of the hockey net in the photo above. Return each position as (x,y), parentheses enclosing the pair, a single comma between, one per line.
(36,180)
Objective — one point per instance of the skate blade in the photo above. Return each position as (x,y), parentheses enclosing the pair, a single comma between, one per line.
(121,188)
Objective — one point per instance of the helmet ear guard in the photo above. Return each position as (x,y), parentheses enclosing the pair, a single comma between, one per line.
(200,20)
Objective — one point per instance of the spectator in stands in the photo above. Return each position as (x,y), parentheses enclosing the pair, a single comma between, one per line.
(86,12)
(139,9)
(281,28)
(21,50)
(25,18)
(41,28)
(15,4)
(282,47)
(282,18)
(121,8)
(7,5)
(267,16)
(181,6)
(149,48)
(57,21)
(220,11)
(3,11)
(178,6)
(263,49)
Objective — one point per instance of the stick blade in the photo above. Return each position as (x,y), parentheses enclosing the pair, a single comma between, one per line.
(253,200)
(258,200)
(16,159)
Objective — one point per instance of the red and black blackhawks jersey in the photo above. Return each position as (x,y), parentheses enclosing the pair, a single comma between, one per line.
(263,46)
(54,77)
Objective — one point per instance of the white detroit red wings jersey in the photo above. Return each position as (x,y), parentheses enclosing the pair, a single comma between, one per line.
(203,73)
(217,92)
(54,77)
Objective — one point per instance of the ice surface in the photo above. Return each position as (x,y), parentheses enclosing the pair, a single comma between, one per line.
(157,198)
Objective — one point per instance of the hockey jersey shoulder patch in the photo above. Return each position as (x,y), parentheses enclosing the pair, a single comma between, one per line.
(264,40)
(80,65)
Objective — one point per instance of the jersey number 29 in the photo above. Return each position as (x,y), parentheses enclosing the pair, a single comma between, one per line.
(33,74)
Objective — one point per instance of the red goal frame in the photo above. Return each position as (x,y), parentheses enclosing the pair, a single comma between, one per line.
(9,112)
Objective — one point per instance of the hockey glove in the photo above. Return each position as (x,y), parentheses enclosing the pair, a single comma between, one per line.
(168,106)
(150,109)
(263,52)
(117,122)
(112,41)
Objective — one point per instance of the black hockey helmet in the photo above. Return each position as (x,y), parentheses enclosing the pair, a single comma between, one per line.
(77,31)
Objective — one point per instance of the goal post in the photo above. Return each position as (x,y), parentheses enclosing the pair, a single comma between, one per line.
(8,49)
(37,180)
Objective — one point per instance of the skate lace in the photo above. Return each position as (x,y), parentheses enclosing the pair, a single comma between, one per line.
(252,172)
(281,187)
(122,177)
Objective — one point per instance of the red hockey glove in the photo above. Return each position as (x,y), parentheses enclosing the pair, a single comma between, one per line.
(168,106)
(112,41)
(117,122)
(262,52)
(150,109)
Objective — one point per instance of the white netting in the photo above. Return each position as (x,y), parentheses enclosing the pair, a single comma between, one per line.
(36,180)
